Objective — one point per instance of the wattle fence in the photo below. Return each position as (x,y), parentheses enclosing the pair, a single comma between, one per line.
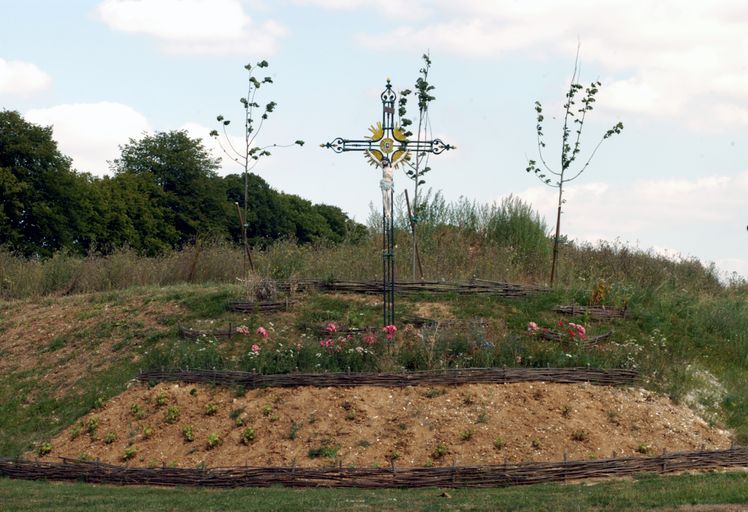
(373,478)
(598,376)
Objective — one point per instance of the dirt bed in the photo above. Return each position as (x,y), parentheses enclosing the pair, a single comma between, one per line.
(369,426)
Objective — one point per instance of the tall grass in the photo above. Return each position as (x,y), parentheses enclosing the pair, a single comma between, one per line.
(458,241)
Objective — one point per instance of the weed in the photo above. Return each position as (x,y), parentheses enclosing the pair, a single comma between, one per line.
(267,409)
(326,450)
(393,455)
(83,456)
(138,411)
(110,437)
(211,409)
(350,415)
(187,433)
(499,443)
(644,448)
(193,392)
(535,443)
(566,411)
(172,414)
(482,418)
(236,413)
(75,432)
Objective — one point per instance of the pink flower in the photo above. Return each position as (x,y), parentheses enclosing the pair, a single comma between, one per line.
(581,330)
(262,332)
(370,339)
(255,349)
(360,350)
(326,343)
(560,323)
(243,329)
(532,327)
(389,331)
(572,325)
(331,327)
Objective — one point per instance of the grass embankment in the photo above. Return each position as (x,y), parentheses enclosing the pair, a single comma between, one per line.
(641,494)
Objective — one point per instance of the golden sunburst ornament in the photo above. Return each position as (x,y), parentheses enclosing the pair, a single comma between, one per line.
(390,147)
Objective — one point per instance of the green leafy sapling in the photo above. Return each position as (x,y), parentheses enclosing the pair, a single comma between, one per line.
(579,102)
(417,167)
(249,155)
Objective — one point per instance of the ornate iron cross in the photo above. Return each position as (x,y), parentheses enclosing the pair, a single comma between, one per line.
(387,147)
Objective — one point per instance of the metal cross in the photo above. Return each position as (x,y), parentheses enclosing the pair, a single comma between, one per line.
(387,147)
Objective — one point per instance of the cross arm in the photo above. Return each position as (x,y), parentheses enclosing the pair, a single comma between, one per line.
(340,145)
(435,146)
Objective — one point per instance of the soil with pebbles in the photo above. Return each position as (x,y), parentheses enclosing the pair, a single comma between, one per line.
(366,426)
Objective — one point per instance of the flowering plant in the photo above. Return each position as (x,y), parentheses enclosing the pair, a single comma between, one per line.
(262,332)
(389,331)
(572,330)
(243,330)
(331,327)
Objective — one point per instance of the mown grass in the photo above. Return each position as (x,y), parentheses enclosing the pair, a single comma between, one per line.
(639,494)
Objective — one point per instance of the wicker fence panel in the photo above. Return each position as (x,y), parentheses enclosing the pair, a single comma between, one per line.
(406,477)
(607,377)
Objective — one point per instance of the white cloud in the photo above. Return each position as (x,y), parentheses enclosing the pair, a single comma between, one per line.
(667,58)
(91,133)
(22,78)
(698,215)
(414,9)
(202,27)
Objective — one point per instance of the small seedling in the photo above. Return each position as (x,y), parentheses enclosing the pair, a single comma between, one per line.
(535,443)
(137,411)
(76,432)
(393,455)
(110,437)
(188,434)
(92,426)
(148,432)
(350,415)
(83,456)
(644,448)
(482,418)
(467,435)
(213,440)
(161,399)
(248,435)
(193,392)
(432,393)
(329,452)
(211,409)
(499,443)
(294,430)
(172,414)
(236,413)
(129,453)
(440,451)
(566,411)
(44,449)
(267,409)
(579,435)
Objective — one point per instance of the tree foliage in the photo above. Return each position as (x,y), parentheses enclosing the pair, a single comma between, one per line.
(575,116)
(164,193)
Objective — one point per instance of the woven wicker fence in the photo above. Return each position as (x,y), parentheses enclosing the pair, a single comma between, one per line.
(607,377)
(598,312)
(406,477)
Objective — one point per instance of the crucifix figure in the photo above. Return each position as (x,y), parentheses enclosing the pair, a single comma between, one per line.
(387,147)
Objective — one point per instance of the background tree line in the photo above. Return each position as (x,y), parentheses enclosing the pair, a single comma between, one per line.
(164,193)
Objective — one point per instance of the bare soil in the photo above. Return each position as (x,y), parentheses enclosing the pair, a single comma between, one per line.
(365,426)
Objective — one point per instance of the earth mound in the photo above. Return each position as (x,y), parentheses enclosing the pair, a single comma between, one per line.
(185,425)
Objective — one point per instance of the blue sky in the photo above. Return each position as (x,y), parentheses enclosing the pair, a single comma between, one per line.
(675,73)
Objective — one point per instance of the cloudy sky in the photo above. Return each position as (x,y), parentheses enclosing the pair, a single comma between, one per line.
(674,72)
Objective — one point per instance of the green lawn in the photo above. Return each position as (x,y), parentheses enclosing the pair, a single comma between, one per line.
(643,493)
